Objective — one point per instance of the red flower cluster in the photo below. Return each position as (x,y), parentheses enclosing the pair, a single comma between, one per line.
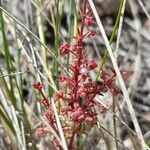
(79,98)
(109,83)
(64,49)
(48,112)
(40,132)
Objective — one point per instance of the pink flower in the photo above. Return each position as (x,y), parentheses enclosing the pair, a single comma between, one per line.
(75,116)
(109,83)
(66,110)
(82,94)
(38,86)
(89,20)
(63,79)
(91,33)
(41,132)
(49,114)
(89,120)
(84,76)
(92,64)
(59,94)
(103,109)
(64,49)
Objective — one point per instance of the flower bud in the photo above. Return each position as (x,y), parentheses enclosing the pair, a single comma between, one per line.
(92,64)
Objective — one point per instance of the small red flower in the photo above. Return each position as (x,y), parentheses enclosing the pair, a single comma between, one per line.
(38,86)
(82,94)
(64,49)
(103,109)
(92,64)
(84,76)
(66,110)
(91,33)
(104,75)
(114,90)
(59,94)
(63,79)
(45,101)
(76,115)
(89,120)
(41,132)
(49,114)
(89,20)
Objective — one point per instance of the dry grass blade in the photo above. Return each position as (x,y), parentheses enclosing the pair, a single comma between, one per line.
(143,32)
(41,33)
(121,121)
(47,71)
(120,28)
(116,138)
(122,85)
(17,21)
(18,73)
(43,77)
(64,143)
(12,114)
(144,9)
(41,11)
(32,115)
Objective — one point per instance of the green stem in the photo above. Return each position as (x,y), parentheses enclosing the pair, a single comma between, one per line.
(69,29)
(56,46)
(111,39)
(7,55)
(6,119)
(80,139)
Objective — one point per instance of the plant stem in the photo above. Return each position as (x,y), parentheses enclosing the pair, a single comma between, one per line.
(114,121)
(79,43)
(8,60)
(110,40)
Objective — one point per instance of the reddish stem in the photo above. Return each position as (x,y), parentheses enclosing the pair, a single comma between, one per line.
(44,97)
(79,51)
